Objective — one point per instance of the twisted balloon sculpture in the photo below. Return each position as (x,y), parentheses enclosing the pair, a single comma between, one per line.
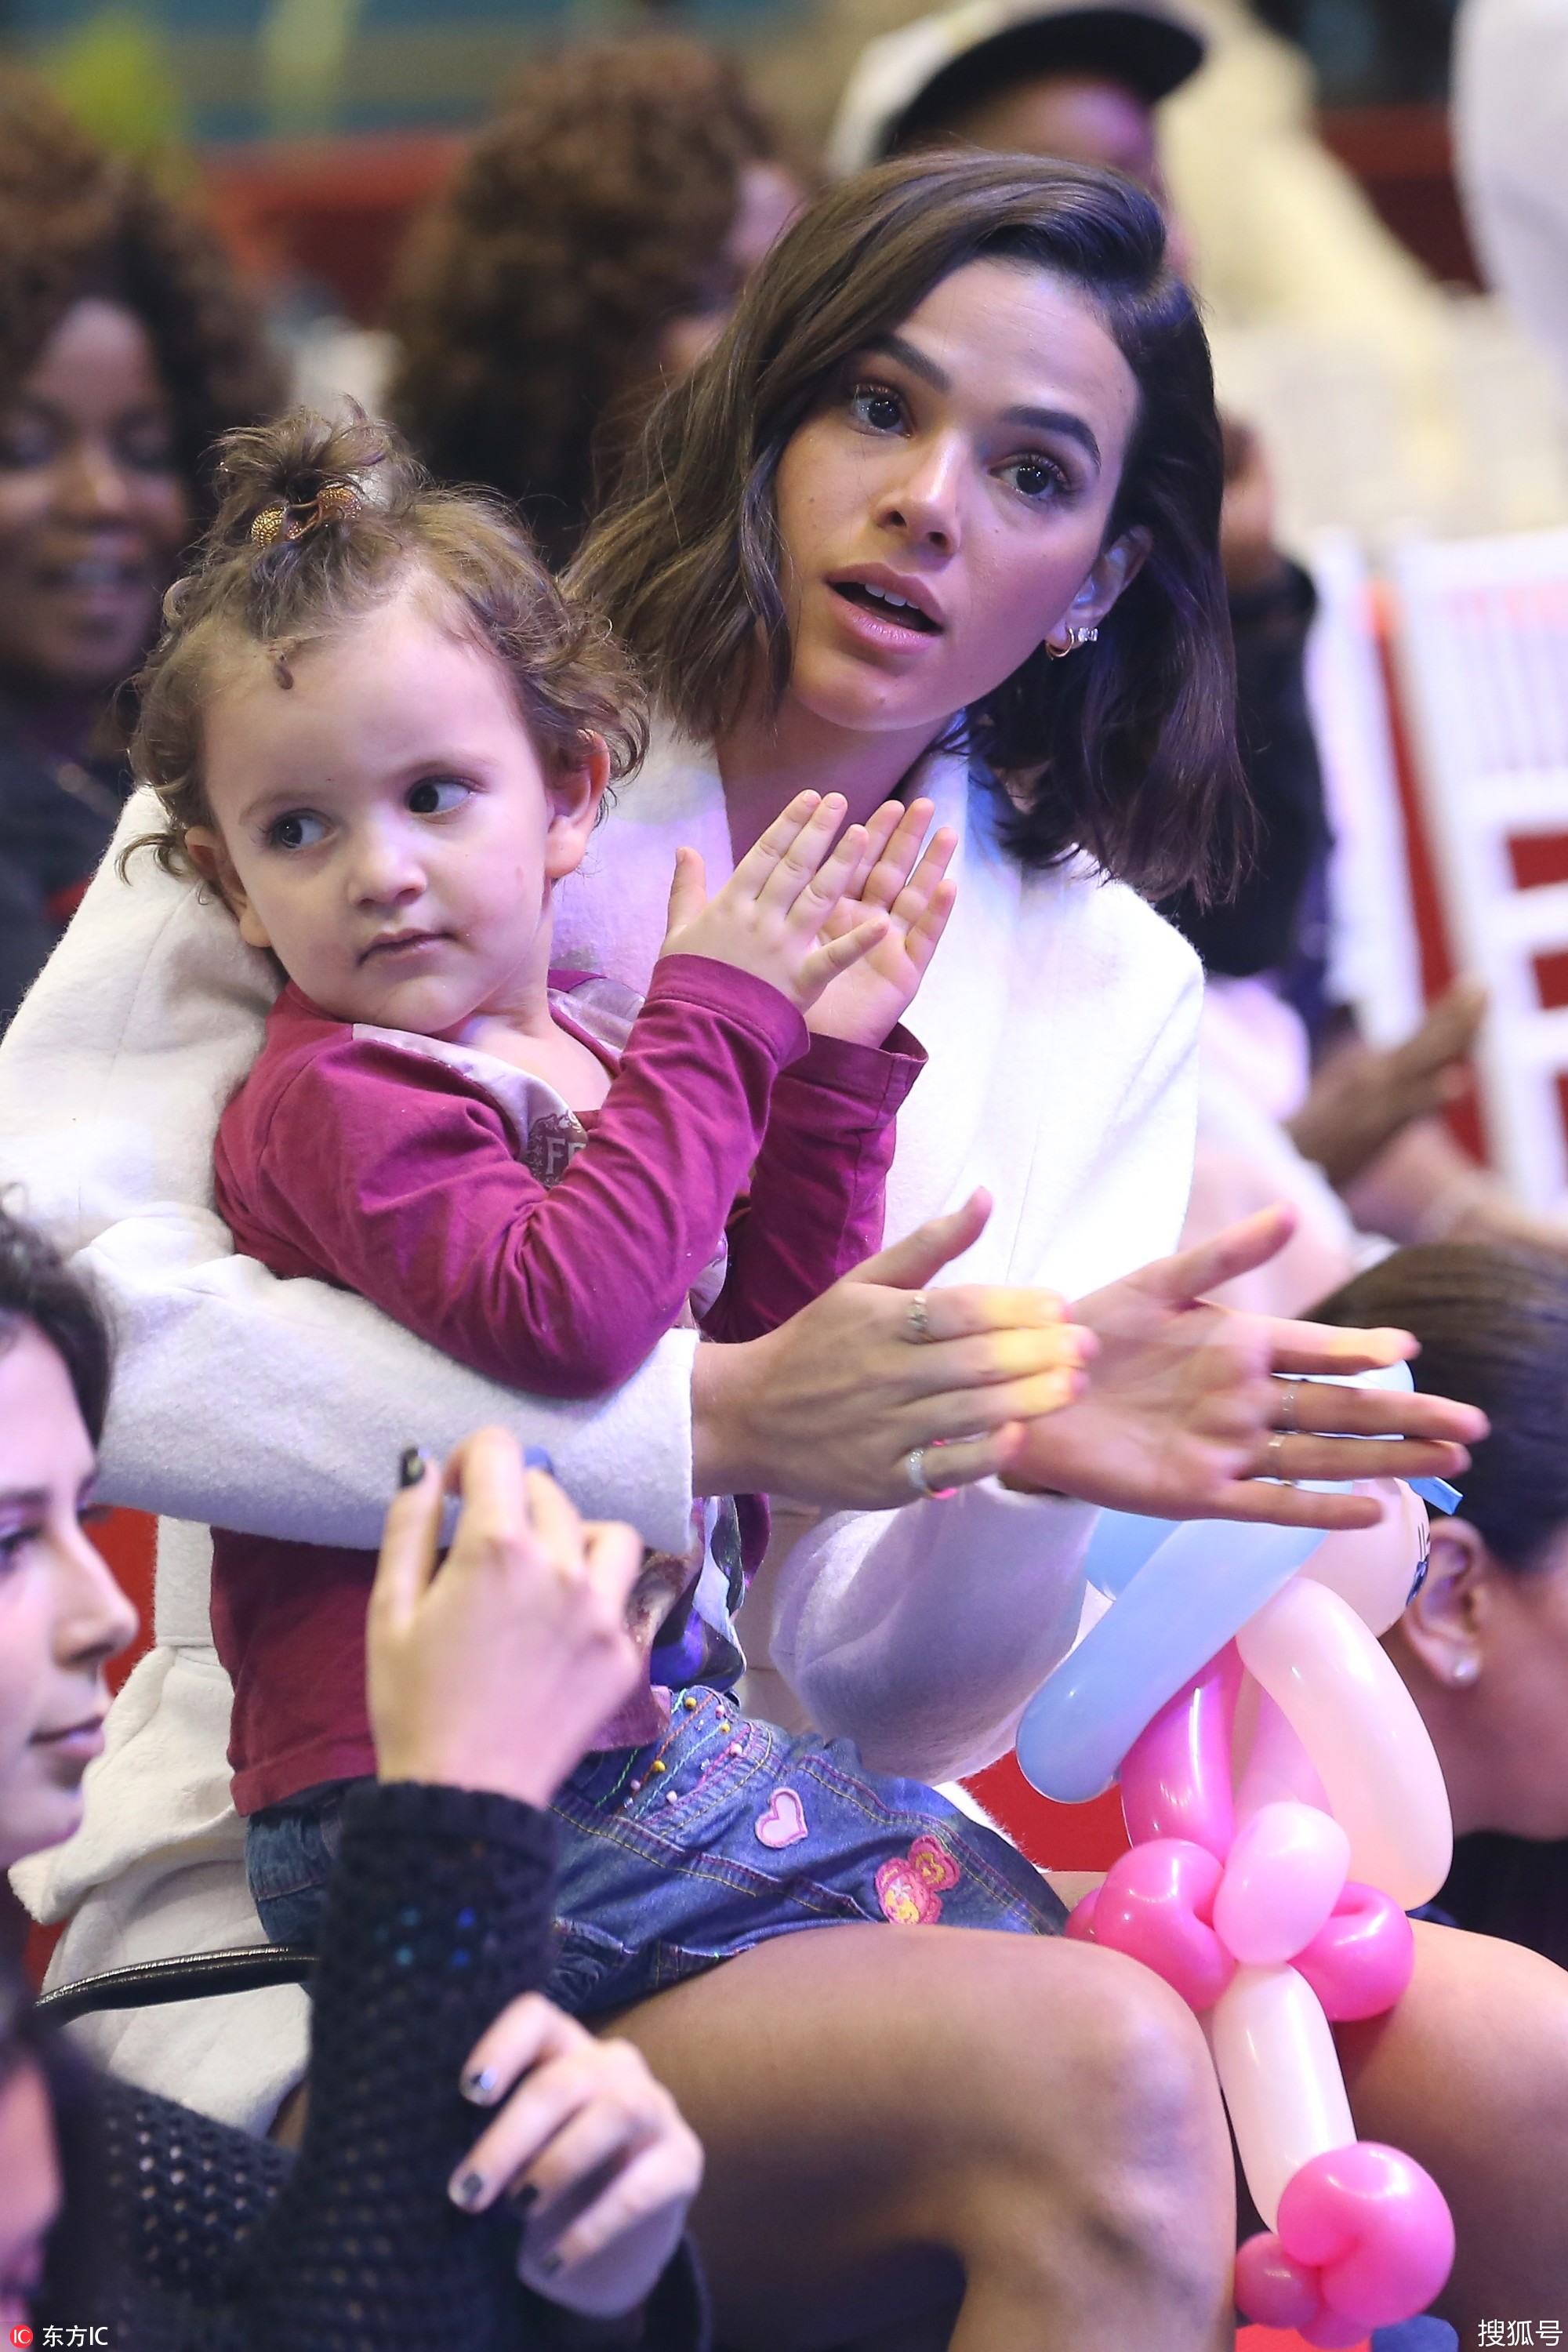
(1286,1809)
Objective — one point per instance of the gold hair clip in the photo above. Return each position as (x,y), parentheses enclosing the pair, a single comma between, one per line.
(334,502)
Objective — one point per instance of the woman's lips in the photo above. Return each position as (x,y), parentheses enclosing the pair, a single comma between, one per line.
(881,624)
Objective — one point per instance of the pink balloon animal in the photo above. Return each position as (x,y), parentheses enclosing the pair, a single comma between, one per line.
(1284,1808)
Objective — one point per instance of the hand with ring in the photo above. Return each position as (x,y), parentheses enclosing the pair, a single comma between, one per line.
(1185,1417)
(834,1405)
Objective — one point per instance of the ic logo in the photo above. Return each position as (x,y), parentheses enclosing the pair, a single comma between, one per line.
(21,2333)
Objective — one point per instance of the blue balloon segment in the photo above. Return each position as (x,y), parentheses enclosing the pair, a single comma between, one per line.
(1436,1494)
(1193,1595)
(1119,1547)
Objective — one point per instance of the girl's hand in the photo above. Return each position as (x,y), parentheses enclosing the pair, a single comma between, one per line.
(865,1003)
(769,918)
(592,2144)
(1182,1417)
(495,1669)
(829,1407)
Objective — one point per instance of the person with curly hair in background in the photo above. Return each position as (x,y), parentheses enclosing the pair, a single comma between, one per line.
(592,244)
(126,347)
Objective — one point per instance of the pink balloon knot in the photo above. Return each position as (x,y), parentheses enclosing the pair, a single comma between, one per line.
(1359,1962)
(1156,1904)
(1375,2229)
(1274,2291)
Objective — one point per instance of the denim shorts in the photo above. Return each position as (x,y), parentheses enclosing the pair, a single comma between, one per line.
(725,1833)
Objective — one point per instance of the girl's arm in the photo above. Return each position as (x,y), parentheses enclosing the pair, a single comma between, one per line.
(397,1176)
(814,1207)
(276,1407)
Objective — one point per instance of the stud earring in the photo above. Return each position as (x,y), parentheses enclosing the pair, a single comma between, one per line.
(1076,637)
(1464,1671)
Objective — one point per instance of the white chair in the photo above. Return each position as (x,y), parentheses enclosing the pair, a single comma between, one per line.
(1374,954)
(1482,635)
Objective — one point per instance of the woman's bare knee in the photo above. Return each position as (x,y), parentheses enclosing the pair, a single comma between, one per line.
(1044,2110)
(1105,2082)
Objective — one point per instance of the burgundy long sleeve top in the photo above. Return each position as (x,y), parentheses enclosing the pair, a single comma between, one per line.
(544,1249)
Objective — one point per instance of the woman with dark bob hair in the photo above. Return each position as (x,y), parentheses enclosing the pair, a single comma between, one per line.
(125,347)
(1129,755)
(961,424)
(593,240)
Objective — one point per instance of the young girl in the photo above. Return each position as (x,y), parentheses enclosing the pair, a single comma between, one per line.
(382,733)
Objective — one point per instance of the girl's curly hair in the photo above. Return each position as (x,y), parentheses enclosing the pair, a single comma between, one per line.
(77,222)
(318,523)
(529,299)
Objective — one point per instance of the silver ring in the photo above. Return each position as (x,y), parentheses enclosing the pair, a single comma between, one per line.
(920,1320)
(1290,1395)
(915,1470)
(1275,1457)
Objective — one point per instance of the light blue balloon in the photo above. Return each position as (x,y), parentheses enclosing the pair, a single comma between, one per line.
(1180,1592)
(1120,1546)
(1196,1593)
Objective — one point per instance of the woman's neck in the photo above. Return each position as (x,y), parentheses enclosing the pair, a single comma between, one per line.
(768,756)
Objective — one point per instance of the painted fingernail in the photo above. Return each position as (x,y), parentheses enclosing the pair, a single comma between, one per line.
(412,1464)
(524,2197)
(479,2083)
(551,2264)
(468,2189)
(534,1457)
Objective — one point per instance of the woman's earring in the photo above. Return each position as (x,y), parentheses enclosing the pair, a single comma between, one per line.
(1076,637)
(1464,1671)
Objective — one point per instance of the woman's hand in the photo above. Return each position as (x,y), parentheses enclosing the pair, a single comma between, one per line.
(1181,1418)
(828,1408)
(495,1669)
(591,2147)
(864,1004)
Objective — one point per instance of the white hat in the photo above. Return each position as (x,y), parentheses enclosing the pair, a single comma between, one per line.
(980,44)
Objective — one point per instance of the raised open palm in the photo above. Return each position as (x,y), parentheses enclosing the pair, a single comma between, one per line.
(904,876)
(1182,1416)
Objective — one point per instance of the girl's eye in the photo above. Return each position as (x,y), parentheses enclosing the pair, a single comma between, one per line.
(437,795)
(1034,476)
(877,406)
(297,830)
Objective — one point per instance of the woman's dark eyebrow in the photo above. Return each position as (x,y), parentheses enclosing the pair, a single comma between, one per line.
(30,1499)
(1056,420)
(1043,420)
(894,347)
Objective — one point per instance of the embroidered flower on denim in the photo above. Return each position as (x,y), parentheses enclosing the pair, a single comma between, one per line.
(909,1885)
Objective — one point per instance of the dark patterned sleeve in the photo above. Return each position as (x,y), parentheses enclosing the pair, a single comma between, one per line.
(438,1916)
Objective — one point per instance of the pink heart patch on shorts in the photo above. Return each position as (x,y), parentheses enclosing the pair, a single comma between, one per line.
(784,1823)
